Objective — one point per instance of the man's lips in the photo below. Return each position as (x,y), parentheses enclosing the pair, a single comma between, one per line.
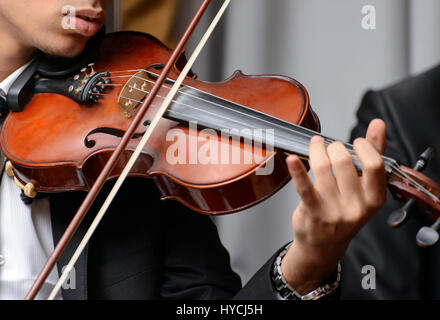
(86,27)
(91,15)
(88,22)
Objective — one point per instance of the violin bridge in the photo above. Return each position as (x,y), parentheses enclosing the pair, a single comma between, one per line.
(133,93)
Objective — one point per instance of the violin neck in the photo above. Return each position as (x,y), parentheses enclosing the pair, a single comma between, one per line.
(212,112)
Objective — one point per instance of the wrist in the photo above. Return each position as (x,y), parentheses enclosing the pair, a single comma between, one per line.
(308,291)
(305,270)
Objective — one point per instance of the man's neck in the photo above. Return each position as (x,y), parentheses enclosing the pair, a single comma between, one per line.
(13,54)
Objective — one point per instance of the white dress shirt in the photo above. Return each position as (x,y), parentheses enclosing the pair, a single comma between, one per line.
(26,239)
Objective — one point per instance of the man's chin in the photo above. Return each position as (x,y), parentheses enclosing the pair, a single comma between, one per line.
(69,47)
(72,51)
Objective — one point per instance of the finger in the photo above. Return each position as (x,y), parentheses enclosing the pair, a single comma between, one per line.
(373,179)
(321,166)
(301,180)
(347,177)
(376,135)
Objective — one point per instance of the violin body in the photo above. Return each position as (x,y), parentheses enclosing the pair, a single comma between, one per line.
(61,145)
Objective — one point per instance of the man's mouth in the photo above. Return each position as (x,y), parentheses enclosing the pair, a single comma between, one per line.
(88,19)
(91,15)
(87,22)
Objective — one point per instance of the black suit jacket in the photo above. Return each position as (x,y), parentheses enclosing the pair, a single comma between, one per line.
(149,249)
(411,110)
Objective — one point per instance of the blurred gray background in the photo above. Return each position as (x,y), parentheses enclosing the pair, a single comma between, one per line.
(322,44)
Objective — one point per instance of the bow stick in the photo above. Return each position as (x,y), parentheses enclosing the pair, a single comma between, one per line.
(73,226)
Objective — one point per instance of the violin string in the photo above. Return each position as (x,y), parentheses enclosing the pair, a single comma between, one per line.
(126,71)
(395,169)
(189,106)
(197,97)
(415,184)
(405,177)
(310,133)
(308,136)
(213,114)
(110,84)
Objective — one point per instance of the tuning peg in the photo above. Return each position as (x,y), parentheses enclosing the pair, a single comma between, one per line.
(424,159)
(400,216)
(428,236)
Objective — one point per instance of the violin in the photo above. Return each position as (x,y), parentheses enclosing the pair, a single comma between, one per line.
(69,125)
(60,144)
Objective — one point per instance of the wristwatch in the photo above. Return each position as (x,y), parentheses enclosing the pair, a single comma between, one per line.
(285,290)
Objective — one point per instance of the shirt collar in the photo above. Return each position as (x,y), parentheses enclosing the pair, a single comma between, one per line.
(6,84)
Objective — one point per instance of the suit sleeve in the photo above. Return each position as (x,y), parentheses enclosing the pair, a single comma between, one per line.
(197,266)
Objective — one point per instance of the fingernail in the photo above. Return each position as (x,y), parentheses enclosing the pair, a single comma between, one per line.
(316,139)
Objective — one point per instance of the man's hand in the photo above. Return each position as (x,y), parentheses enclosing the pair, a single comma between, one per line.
(333,210)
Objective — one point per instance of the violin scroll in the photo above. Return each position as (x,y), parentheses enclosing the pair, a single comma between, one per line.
(411,184)
(416,189)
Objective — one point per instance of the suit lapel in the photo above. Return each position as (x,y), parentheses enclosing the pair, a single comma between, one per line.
(63,208)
